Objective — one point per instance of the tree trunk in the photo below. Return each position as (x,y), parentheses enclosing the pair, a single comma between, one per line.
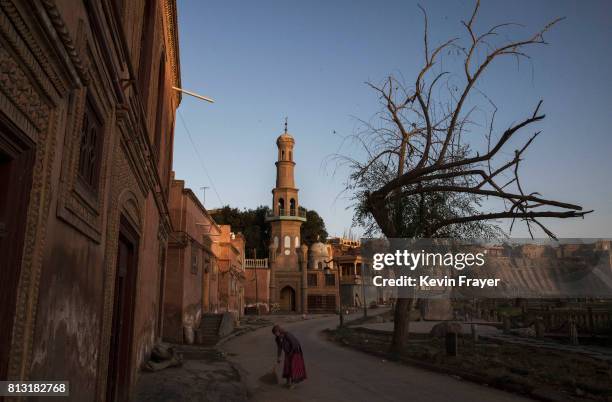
(401,325)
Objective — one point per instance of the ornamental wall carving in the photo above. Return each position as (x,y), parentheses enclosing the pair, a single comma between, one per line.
(30,102)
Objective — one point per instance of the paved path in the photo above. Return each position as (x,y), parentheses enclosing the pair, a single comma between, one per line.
(339,374)
(204,376)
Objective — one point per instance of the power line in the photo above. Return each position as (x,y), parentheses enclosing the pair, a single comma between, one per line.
(212,184)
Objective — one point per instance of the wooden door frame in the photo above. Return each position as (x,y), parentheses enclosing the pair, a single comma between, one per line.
(120,351)
(19,151)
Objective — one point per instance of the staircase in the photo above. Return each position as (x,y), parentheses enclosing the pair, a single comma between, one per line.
(208,333)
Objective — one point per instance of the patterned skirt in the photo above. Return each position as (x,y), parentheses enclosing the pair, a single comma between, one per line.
(294,367)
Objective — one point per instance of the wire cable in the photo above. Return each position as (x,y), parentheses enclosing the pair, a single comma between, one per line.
(212,183)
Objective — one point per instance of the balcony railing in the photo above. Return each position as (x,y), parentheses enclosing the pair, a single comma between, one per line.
(256,263)
(292,212)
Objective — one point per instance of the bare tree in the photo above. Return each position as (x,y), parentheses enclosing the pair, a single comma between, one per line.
(421,145)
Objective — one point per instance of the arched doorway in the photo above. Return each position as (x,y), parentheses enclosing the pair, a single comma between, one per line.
(287,299)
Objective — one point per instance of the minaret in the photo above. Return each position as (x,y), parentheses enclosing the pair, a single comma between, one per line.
(286,219)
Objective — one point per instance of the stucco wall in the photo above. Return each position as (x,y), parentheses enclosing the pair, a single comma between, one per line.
(185,287)
(67,331)
(173,297)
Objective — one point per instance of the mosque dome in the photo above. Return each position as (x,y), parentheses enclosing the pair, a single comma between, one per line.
(318,249)
(285,137)
(318,255)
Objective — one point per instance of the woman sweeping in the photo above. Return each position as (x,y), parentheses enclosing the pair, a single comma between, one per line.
(294,370)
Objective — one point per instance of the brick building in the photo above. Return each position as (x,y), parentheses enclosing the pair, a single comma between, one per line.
(295,272)
(322,284)
(229,249)
(192,270)
(286,256)
(86,132)
(355,274)
(257,284)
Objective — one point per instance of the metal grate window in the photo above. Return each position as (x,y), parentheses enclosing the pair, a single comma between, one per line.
(312,279)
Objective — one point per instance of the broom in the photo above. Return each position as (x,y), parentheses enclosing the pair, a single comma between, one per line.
(270,377)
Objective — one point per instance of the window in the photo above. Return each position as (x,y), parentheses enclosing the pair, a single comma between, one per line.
(90,147)
(312,279)
(330,280)
(297,242)
(287,242)
(194,259)
(206,264)
(292,207)
(320,265)
(146,49)
(281,206)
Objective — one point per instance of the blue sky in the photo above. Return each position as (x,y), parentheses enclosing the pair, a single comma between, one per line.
(264,60)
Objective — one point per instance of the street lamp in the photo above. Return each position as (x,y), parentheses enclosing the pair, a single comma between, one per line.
(328,271)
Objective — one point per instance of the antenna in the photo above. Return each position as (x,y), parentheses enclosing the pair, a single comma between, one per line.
(203,188)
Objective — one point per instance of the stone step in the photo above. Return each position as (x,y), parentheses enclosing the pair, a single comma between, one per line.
(208,332)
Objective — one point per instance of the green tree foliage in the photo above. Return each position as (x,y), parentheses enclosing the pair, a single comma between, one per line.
(252,224)
(414,212)
(313,228)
